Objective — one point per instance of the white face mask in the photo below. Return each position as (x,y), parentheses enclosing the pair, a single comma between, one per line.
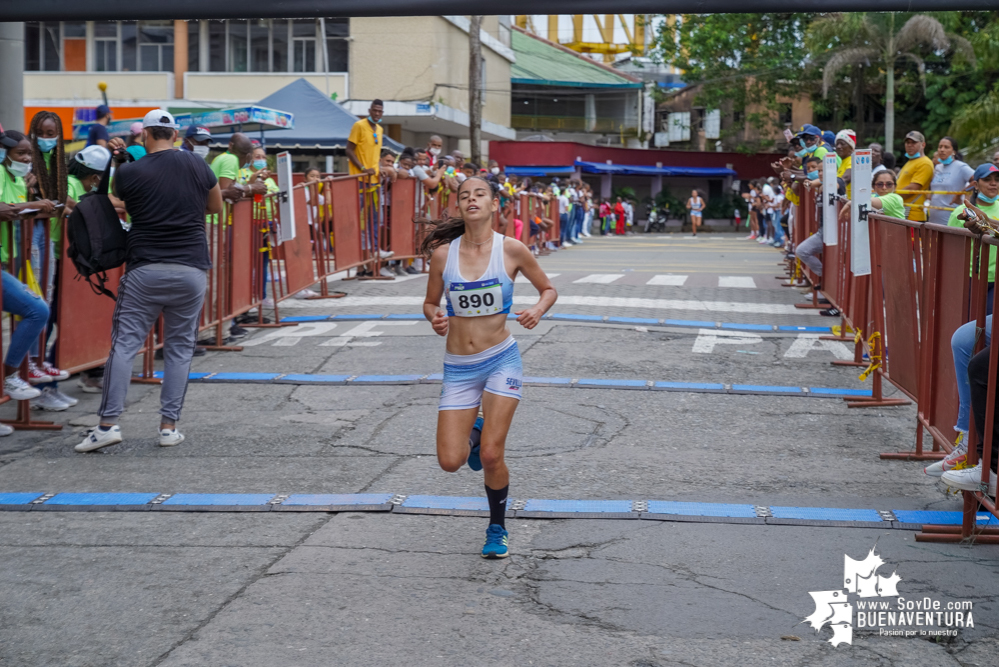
(200,151)
(19,169)
(435,151)
(495,170)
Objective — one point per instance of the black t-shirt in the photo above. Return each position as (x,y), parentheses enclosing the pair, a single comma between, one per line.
(97,131)
(165,194)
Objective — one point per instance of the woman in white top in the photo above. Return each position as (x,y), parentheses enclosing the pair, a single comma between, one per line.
(474,268)
(950,174)
(696,207)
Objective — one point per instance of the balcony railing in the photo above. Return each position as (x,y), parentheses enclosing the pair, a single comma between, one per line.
(572,124)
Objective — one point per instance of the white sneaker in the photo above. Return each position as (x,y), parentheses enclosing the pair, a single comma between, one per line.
(68,400)
(385,254)
(306,293)
(170,437)
(91,385)
(49,401)
(98,438)
(6,429)
(18,389)
(267,303)
(957,456)
(969,479)
(567,244)
(387,272)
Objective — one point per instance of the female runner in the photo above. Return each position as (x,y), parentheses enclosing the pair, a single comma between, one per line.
(696,207)
(482,364)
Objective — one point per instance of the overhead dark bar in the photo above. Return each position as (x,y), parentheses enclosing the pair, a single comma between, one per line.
(123,10)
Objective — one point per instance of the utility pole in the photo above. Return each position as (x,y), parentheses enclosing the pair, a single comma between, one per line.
(12,75)
(475,89)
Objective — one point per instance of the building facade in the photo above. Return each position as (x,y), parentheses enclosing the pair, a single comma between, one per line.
(417,65)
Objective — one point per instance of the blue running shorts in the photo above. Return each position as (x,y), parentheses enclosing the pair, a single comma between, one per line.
(497,370)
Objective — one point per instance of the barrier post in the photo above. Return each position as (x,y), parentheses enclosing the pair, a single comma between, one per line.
(323,237)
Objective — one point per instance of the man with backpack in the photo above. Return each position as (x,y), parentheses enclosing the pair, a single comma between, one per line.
(167,195)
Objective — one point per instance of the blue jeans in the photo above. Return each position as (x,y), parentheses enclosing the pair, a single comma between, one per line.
(762,217)
(777,229)
(962,345)
(563,223)
(577,222)
(34,312)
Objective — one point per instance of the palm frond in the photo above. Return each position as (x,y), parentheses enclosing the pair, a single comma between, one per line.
(845,57)
(920,67)
(919,30)
(962,47)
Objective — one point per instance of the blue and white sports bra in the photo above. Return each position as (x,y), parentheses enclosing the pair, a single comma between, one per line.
(492,293)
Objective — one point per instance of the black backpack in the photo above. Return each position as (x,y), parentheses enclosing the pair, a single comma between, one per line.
(96,238)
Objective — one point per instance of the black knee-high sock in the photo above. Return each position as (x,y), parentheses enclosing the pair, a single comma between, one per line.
(497,505)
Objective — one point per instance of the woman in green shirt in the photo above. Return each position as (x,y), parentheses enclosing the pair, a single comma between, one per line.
(885,199)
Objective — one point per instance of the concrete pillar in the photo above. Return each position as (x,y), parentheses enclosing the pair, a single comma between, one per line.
(12,76)
(578,173)
(657,182)
(179,57)
(605,186)
(590,112)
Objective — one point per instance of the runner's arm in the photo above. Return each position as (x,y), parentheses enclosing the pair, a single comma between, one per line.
(528,265)
(435,290)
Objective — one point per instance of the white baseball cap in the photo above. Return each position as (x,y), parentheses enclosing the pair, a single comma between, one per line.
(94,157)
(159,118)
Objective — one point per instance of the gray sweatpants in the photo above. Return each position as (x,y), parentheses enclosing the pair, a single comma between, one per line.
(176,291)
(809,250)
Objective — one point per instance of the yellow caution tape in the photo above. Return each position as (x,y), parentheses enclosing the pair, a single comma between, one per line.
(875,362)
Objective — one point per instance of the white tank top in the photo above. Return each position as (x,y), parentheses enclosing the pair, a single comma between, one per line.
(492,293)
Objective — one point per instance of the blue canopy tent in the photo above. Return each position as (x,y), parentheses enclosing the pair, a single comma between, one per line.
(642,170)
(320,123)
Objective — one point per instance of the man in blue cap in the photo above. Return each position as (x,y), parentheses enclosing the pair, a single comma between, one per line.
(811,143)
(98,134)
(196,140)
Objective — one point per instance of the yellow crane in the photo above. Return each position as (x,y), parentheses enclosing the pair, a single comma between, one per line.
(635,33)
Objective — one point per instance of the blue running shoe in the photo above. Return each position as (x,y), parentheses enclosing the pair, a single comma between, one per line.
(474,462)
(496,542)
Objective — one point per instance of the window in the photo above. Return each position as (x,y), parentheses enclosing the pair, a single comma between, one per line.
(303,35)
(156,46)
(238,46)
(260,32)
(337,44)
(679,126)
(712,124)
(32,46)
(43,46)
(216,46)
(129,31)
(106,46)
(279,41)
(193,46)
(784,113)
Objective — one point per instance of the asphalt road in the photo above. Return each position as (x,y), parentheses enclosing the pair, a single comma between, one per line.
(276,588)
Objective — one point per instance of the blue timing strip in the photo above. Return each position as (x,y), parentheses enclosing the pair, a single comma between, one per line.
(568,317)
(478,503)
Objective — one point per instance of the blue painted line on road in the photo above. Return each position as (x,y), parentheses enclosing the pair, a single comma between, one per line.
(434,377)
(690,386)
(611,383)
(305,378)
(765,389)
(529,508)
(325,499)
(831,391)
(556,381)
(233,499)
(825,513)
(19,498)
(242,377)
(101,499)
(569,317)
(386,379)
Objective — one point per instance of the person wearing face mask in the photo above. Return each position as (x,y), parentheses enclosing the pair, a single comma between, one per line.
(18,298)
(435,145)
(135,147)
(495,174)
(950,174)
(196,140)
(810,139)
(226,166)
(916,174)
(48,180)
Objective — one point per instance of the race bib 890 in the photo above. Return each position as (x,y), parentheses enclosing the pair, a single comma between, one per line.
(476,299)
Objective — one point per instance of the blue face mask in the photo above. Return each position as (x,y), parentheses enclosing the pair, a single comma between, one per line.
(948,160)
(802,153)
(987,200)
(812,175)
(373,120)
(3,154)
(912,157)
(259,164)
(811,149)
(47,145)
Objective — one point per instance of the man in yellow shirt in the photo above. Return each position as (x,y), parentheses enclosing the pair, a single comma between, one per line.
(364,150)
(917,174)
(846,141)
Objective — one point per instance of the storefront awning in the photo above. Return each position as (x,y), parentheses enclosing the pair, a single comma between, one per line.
(540,172)
(642,170)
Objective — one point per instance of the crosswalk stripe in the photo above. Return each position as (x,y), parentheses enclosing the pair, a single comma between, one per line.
(668,279)
(522,280)
(736,281)
(601,278)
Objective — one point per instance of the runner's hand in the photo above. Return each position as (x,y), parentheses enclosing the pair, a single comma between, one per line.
(440,323)
(528,318)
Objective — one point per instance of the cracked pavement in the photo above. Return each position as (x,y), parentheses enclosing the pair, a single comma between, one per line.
(98,589)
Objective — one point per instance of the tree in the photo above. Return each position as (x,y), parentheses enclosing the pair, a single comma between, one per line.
(743,63)
(475,89)
(872,41)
